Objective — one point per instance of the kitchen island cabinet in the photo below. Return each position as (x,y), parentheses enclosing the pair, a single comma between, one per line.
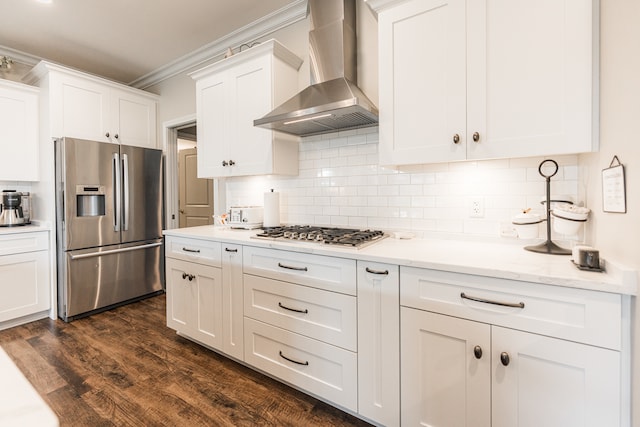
(24,277)
(88,107)
(466,79)
(384,332)
(233,92)
(19,131)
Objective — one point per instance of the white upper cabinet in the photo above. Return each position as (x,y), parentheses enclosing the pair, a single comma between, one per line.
(87,107)
(230,95)
(18,131)
(481,79)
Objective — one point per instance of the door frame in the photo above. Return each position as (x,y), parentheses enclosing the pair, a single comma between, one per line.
(170,149)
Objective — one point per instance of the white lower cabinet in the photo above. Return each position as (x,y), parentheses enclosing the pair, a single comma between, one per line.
(459,371)
(194,301)
(379,342)
(24,278)
(232,291)
(324,370)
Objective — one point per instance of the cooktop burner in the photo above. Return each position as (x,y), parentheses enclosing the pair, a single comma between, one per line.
(347,237)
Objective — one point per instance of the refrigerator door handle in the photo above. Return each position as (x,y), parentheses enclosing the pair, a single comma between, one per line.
(125,189)
(115,251)
(117,215)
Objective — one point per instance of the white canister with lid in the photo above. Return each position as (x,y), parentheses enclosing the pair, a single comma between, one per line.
(526,224)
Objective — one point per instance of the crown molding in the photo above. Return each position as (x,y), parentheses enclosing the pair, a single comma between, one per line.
(264,26)
(18,56)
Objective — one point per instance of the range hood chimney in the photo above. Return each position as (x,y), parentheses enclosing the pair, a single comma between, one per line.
(333,101)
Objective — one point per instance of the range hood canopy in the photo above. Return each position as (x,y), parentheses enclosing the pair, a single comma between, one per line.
(333,101)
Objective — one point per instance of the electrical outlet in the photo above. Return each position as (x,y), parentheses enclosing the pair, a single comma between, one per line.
(476,207)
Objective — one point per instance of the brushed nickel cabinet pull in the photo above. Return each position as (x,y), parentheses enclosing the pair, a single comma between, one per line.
(305,311)
(488,301)
(380,272)
(456,139)
(476,137)
(288,267)
(305,363)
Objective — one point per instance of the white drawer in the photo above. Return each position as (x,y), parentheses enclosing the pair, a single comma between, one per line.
(194,250)
(323,315)
(321,369)
(324,272)
(577,315)
(17,243)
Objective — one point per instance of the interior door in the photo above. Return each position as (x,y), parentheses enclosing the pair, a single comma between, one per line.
(196,194)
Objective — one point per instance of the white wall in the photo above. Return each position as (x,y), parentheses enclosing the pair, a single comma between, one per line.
(618,235)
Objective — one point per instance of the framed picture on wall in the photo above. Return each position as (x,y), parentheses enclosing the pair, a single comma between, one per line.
(614,192)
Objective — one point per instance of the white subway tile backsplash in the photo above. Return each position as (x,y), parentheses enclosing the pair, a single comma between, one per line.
(341,184)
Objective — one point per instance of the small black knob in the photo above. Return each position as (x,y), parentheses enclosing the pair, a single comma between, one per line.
(107,134)
(477,351)
(184,276)
(504,358)
(224,163)
(476,137)
(116,136)
(231,163)
(456,139)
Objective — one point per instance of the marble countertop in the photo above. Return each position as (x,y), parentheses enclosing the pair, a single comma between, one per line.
(20,404)
(492,259)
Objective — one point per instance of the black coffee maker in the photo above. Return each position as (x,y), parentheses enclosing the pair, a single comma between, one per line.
(12,213)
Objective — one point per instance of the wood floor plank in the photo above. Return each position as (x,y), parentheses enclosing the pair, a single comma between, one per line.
(124,367)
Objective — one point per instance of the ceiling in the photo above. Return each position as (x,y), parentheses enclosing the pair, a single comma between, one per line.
(122,40)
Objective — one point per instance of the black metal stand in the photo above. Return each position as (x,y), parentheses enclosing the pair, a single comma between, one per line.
(548,247)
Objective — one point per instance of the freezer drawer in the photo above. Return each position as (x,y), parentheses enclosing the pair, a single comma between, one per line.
(94,279)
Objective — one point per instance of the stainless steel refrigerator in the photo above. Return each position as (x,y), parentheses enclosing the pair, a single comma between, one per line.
(108,225)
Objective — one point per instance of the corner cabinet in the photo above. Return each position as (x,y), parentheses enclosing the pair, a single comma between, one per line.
(478,80)
(230,95)
(19,131)
(88,107)
(493,352)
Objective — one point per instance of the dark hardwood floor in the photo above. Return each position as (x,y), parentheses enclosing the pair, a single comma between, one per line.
(124,367)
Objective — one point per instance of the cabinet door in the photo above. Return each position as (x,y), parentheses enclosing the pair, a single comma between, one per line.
(422,82)
(133,119)
(553,383)
(530,77)
(378,342)
(18,133)
(213,115)
(251,94)
(232,296)
(79,109)
(24,284)
(444,382)
(194,301)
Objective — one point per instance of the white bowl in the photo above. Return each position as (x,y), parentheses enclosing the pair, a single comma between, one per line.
(566,226)
(526,225)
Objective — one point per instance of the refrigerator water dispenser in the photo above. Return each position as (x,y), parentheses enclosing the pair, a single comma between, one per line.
(90,200)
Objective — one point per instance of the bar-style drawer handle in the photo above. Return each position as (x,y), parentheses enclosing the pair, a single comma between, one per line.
(382,273)
(305,363)
(195,251)
(305,311)
(288,267)
(488,301)
(230,250)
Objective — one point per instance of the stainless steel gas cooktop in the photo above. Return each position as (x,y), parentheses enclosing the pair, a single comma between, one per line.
(345,237)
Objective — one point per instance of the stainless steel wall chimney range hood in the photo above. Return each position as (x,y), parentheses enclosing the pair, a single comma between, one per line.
(333,101)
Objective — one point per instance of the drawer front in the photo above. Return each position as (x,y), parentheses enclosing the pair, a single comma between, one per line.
(326,316)
(321,369)
(318,271)
(578,315)
(24,242)
(194,250)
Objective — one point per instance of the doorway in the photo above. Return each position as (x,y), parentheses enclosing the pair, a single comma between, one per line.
(193,202)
